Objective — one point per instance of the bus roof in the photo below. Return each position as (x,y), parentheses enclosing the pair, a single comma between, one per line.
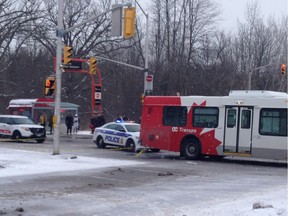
(40,102)
(256,93)
(237,98)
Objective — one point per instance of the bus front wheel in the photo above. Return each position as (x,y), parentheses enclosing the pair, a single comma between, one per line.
(191,149)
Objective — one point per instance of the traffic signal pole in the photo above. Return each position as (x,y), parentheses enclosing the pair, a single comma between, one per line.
(251,71)
(60,33)
(146,48)
(121,63)
(58,79)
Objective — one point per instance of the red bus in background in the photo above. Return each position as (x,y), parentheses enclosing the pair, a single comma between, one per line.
(245,123)
(33,108)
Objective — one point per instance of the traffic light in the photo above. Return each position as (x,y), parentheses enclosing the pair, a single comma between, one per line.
(142,98)
(49,86)
(67,54)
(283,68)
(129,22)
(93,65)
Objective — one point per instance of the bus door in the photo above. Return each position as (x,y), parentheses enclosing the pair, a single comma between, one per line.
(238,129)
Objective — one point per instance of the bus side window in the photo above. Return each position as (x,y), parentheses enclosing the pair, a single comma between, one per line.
(273,122)
(174,116)
(205,117)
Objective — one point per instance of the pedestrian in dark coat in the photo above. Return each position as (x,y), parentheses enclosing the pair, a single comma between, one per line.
(50,123)
(69,123)
(96,121)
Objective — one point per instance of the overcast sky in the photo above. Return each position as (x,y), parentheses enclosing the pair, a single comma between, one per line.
(235,9)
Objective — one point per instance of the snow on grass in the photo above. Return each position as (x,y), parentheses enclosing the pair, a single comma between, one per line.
(20,162)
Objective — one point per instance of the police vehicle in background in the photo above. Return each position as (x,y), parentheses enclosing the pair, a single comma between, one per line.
(21,127)
(119,133)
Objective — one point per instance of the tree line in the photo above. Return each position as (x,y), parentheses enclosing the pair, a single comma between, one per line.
(188,52)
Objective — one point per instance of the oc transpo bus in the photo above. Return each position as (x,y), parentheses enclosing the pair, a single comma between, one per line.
(245,123)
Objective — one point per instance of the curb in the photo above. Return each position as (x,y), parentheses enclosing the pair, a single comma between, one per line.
(73,136)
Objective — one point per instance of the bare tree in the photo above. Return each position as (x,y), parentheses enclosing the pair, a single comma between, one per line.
(259,45)
(181,25)
(15,17)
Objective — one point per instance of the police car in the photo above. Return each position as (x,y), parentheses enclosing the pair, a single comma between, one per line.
(21,127)
(119,133)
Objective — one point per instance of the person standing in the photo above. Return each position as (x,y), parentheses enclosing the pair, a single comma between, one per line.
(43,119)
(75,123)
(50,123)
(92,123)
(69,123)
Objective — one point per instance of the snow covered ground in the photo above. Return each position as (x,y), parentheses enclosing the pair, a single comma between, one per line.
(18,162)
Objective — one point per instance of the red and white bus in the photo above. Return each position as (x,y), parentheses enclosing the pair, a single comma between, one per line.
(245,123)
(33,108)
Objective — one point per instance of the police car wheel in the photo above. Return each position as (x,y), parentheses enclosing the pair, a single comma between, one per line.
(100,142)
(16,135)
(130,145)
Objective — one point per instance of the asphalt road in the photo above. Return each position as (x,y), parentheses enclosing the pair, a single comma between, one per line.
(160,186)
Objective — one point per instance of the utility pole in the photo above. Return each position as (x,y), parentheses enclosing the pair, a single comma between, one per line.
(146,48)
(60,33)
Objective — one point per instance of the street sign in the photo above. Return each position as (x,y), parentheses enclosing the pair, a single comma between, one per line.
(149,78)
(148,84)
(97,95)
(76,65)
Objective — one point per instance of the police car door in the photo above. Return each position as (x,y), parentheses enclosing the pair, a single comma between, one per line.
(5,128)
(113,135)
(110,134)
(121,134)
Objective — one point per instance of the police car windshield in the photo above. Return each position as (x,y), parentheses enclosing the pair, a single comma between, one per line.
(22,121)
(133,128)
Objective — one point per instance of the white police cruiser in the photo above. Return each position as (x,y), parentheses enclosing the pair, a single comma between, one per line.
(119,133)
(21,127)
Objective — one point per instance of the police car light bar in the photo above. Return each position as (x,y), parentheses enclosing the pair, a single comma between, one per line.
(122,121)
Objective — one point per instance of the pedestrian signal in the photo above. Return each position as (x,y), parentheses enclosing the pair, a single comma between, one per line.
(283,68)
(49,86)
(93,65)
(67,54)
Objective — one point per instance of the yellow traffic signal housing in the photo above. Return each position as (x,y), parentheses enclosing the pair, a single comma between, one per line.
(50,85)
(283,68)
(67,54)
(142,98)
(93,65)
(129,22)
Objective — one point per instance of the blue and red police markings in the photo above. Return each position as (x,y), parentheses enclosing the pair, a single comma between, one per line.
(112,139)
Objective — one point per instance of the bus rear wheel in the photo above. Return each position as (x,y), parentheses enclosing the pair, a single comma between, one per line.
(191,149)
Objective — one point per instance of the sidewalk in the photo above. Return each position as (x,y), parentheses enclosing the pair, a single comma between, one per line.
(79,135)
